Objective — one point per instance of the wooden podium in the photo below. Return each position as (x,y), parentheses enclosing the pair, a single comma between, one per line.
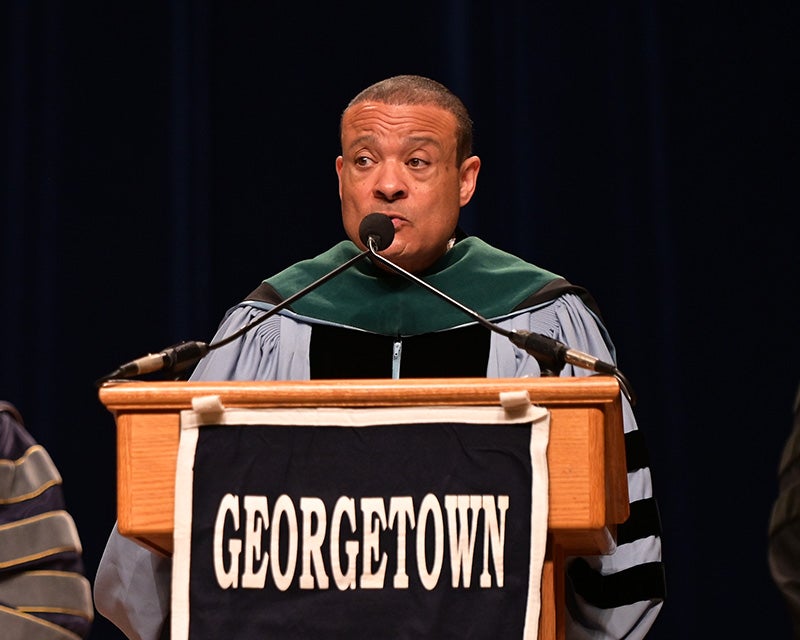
(588,493)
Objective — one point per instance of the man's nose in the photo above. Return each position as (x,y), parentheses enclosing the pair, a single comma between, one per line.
(389,183)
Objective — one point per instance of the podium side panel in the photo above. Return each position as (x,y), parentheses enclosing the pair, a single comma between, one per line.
(147,450)
(579,512)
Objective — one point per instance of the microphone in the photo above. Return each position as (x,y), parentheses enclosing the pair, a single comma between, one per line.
(174,358)
(551,354)
(376,230)
(557,352)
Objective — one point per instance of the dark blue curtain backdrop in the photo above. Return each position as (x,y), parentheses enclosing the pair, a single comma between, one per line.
(161,158)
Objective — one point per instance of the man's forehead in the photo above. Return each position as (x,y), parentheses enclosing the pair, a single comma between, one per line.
(415,120)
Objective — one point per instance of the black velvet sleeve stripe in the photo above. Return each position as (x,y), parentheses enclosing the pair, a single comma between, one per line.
(636,451)
(643,521)
(642,582)
(265,293)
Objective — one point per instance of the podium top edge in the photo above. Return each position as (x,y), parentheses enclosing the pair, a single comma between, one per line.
(171,395)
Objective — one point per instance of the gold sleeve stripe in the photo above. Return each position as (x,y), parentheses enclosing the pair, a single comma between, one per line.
(21,626)
(48,592)
(28,476)
(34,538)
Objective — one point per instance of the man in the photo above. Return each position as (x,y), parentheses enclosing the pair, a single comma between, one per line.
(44,592)
(407,153)
(783,550)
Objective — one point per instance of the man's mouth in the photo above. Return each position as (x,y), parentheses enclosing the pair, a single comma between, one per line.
(397,220)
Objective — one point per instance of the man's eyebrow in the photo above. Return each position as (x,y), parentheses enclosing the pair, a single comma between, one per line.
(365,139)
(425,140)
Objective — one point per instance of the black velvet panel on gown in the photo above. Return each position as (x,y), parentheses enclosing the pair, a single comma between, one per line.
(338,353)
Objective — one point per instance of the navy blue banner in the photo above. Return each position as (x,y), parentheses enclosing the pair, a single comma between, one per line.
(405,531)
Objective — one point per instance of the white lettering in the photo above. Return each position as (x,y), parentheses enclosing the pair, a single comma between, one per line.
(462,535)
(401,510)
(256,520)
(497,535)
(244,558)
(344,506)
(430,507)
(227,579)
(284,508)
(373,510)
(313,508)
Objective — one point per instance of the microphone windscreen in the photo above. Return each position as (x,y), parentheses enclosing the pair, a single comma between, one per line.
(378,226)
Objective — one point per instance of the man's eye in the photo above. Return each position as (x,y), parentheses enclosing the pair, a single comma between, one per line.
(416,163)
(362,161)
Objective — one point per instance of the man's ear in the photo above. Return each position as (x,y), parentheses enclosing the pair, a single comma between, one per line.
(468,178)
(339,165)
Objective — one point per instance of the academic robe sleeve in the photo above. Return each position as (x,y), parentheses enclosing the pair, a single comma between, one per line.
(617,595)
(275,349)
(132,584)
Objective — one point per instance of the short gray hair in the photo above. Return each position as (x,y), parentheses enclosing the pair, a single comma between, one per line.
(419,90)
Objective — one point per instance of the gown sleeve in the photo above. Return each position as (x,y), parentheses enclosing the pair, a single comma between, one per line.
(607,596)
(132,584)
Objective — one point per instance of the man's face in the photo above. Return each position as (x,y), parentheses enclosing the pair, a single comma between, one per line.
(401,160)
